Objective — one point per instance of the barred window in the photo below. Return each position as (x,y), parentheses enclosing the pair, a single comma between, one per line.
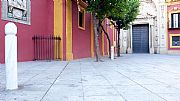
(175,20)
(81,18)
(175,40)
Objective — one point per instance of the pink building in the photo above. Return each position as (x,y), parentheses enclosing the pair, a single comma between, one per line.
(65,18)
(173,15)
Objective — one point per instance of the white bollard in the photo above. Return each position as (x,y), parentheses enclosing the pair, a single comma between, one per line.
(11,56)
(112,52)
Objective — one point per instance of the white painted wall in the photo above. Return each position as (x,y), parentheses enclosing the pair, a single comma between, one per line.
(152,12)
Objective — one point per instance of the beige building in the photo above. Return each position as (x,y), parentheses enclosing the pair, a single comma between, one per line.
(148,33)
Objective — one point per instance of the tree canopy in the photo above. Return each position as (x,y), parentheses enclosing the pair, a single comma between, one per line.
(121,11)
(100,7)
(125,12)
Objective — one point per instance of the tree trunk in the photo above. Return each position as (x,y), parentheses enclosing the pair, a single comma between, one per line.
(108,40)
(97,52)
(118,49)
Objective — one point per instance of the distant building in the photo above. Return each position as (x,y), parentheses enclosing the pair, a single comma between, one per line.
(173,28)
(148,33)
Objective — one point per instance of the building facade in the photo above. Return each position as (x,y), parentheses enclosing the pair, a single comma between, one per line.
(65,18)
(173,26)
(34,18)
(148,33)
(155,31)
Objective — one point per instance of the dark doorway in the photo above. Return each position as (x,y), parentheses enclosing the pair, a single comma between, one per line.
(140,38)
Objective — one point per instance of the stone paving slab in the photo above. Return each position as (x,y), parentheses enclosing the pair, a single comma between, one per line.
(132,77)
(34,80)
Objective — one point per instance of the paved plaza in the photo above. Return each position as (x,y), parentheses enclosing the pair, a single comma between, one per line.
(132,77)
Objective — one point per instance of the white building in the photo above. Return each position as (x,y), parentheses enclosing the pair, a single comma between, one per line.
(148,33)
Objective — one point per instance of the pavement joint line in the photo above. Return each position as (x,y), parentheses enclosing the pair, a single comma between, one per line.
(163,70)
(142,86)
(82,81)
(110,84)
(158,80)
(30,79)
(163,83)
(55,81)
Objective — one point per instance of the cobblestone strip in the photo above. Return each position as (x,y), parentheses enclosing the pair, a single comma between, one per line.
(54,81)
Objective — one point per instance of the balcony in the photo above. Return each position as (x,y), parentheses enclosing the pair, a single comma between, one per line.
(82,3)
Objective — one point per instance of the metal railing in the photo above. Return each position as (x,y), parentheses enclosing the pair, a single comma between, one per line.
(46,47)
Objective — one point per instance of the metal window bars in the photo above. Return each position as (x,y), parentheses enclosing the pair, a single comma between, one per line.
(46,47)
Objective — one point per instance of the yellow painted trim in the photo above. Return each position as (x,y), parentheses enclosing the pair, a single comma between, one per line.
(69,53)
(174,11)
(102,43)
(167,31)
(92,38)
(172,3)
(113,36)
(169,16)
(82,10)
(171,35)
(58,23)
(115,40)
(107,45)
(167,42)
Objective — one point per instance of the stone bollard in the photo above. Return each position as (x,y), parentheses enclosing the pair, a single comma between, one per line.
(11,56)
(112,52)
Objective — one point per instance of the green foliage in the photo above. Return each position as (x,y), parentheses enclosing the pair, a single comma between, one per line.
(121,11)
(100,7)
(125,12)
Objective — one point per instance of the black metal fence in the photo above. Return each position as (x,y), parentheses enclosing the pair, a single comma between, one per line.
(46,47)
